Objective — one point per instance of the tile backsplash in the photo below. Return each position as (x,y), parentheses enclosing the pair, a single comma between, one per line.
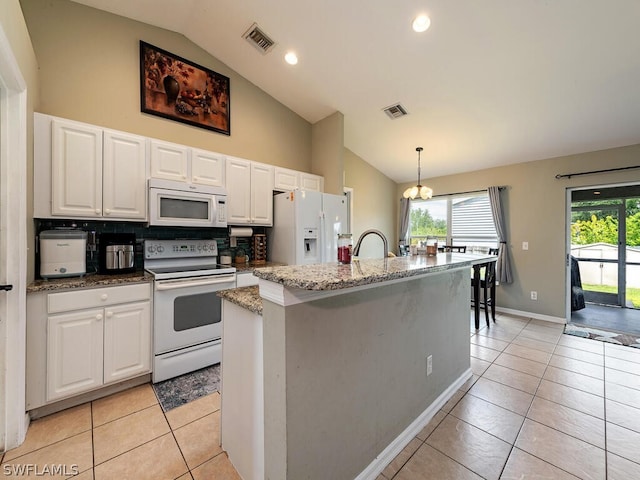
(142,231)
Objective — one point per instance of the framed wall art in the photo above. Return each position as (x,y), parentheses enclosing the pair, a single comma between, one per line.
(175,88)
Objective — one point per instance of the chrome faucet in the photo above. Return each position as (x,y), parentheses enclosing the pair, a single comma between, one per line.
(356,249)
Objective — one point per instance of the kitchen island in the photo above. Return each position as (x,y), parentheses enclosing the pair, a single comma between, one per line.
(335,364)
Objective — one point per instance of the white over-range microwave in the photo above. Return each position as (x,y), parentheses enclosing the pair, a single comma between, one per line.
(186,205)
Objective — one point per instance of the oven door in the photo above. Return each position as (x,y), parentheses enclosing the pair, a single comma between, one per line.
(188,311)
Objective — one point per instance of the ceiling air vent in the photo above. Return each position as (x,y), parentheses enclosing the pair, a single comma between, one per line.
(395,111)
(258,39)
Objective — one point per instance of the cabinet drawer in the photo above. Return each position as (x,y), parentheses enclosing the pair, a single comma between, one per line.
(97,297)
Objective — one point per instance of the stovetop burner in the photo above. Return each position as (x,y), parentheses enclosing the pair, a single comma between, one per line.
(168,259)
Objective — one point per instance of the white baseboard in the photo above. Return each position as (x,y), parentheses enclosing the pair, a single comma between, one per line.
(537,316)
(376,467)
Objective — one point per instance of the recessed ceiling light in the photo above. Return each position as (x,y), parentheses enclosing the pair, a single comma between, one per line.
(421,23)
(291,58)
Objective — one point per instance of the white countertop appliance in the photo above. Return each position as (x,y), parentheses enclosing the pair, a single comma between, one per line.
(187,313)
(63,253)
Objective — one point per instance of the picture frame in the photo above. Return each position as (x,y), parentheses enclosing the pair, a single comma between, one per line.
(175,88)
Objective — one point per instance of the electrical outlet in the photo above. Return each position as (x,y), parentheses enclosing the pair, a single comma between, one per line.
(534,295)
(429,365)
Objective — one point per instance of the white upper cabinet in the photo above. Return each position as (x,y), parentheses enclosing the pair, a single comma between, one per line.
(261,194)
(76,167)
(84,171)
(180,163)
(249,192)
(207,168)
(286,179)
(124,172)
(308,181)
(169,161)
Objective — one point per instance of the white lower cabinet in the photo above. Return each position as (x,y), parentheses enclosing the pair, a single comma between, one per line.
(78,341)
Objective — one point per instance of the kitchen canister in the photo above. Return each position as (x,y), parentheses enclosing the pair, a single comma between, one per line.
(345,247)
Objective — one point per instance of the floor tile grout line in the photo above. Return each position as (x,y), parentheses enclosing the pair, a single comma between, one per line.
(123,416)
(49,445)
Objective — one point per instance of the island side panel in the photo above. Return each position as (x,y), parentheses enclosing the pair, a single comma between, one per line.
(275,414)
(355,368)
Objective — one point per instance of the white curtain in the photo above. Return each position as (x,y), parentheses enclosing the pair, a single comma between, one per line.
(503,265)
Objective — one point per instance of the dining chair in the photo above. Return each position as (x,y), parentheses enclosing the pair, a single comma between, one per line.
(485,276)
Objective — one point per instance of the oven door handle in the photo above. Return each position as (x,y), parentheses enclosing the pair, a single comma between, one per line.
(182,283)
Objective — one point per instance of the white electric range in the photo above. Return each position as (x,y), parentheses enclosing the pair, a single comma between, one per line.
(187,316)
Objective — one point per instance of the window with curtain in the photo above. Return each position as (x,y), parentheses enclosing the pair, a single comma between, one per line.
(454,220)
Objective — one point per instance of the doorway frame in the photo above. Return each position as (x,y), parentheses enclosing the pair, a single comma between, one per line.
(569,191)
(13,246)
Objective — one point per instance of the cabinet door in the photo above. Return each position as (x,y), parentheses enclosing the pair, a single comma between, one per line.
(311,182)
(74,353)
(169,161)
(238,172)
(127,341)
(285,180)
(124,185)
(207,168)
(261,194)
(76,169)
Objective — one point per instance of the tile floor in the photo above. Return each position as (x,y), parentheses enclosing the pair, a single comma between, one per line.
(540,405)
(127,436)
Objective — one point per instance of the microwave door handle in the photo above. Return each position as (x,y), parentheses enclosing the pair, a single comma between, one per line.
(175,284)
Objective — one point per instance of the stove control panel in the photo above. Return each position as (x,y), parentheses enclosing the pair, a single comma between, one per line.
(180,248)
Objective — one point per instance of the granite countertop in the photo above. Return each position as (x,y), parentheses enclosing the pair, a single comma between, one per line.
(251,266)
(335,276)
(246,297)
(91,280)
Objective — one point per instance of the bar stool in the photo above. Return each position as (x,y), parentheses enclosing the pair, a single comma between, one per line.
(487,285)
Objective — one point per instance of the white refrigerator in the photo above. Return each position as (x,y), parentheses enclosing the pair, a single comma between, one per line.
(306,227)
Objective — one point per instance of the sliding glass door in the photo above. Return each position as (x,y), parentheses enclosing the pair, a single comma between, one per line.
(597,237)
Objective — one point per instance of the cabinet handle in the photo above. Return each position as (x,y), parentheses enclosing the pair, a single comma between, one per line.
(107,212)
(99,317)
(104,296)
(109,314)
(97,211)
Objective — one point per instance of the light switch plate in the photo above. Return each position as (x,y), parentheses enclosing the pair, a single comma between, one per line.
(525,245)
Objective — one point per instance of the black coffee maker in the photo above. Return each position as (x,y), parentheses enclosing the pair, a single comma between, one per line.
(117,253)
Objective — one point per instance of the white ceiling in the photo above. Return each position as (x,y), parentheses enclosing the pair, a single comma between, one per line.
(492,82)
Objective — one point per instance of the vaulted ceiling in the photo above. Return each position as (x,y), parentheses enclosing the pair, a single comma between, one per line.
(490,83)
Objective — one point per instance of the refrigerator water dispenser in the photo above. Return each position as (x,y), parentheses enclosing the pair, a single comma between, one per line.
(310,243)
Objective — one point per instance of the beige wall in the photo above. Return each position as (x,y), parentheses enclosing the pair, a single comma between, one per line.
(89,71)
(375,204)
(535,213)
(327,140)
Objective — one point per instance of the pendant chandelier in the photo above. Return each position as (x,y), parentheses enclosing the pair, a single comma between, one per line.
(419,190)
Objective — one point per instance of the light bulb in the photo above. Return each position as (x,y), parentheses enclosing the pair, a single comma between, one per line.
(291,58)
(421,23)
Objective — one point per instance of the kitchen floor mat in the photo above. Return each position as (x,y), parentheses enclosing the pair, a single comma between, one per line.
(188,387)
